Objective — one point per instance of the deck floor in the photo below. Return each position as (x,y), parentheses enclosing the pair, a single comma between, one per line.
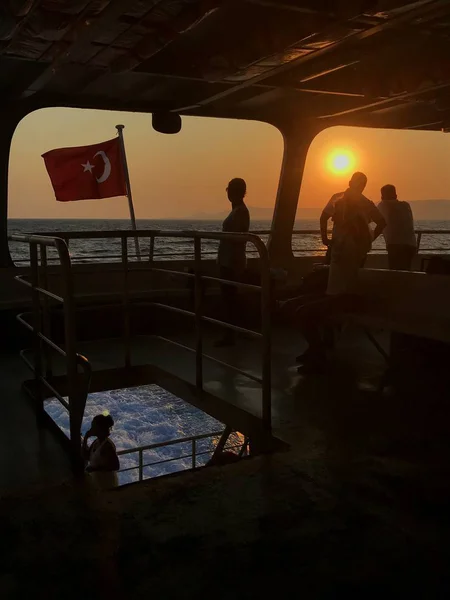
(337,410)
(357,507)
(29,453)
(300,404)
(356,370)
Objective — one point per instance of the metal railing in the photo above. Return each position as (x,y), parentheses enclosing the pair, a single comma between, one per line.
(199,318)
(192,455)
(419,233)
(197,314)
(41,326)
(151,253)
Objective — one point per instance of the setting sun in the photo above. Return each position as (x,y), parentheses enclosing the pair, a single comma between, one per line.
(340,161)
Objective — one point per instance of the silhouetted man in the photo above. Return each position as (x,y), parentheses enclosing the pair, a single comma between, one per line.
(399,231)
(352,236)
(232,258)
(352,239)
(357,183)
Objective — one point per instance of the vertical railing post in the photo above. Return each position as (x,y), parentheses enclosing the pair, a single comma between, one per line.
(36,323)
(125,303)
(194,452)
(77,399)
(244,447)
(46,321)
(266,342)
(151,251)
(141,465)
(419,239)
(198,313)
(221,443)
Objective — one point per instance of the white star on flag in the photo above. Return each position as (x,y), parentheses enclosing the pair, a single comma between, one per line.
(88,167)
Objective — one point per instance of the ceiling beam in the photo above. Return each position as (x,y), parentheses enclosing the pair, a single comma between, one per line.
(405,117)
(321,92)
(130,60)
(257,86)
(131,26)
(386,102)
(424,126)
(289,7)
(437,118)
(85,35)
(328,71)
(430,8)
(20,24)
(191,15)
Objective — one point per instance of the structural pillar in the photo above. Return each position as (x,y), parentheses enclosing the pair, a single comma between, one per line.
(9,120)
(297,139)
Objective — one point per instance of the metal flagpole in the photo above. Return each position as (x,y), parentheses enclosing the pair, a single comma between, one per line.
(120,129)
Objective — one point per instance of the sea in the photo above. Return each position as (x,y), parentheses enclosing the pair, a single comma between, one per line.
(149,414)
(99,250)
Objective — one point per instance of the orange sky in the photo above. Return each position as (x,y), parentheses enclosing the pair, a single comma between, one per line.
(416,162)
(172,176)
(182,175)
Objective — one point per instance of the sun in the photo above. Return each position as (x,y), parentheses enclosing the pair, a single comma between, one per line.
(340,161)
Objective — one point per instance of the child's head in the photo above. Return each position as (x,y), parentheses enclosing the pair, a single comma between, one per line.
(101,425)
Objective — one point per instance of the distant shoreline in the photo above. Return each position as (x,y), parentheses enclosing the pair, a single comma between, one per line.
(187,219)
(423,210)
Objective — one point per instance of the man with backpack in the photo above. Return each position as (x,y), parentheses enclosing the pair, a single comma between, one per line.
(352,239)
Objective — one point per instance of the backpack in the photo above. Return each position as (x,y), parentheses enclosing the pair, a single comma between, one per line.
(352,222)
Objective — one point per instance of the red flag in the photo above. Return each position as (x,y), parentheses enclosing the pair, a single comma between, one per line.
(86,172)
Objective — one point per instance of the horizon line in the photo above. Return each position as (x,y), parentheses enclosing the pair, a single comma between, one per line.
(219,219)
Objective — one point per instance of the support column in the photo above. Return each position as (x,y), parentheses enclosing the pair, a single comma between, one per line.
(8,123)
(297,139)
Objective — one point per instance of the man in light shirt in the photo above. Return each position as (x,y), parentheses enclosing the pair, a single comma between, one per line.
(399,233)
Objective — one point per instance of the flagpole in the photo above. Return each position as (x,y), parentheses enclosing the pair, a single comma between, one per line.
(120,129)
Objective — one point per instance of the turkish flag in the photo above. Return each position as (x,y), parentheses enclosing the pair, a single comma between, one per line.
(86,172)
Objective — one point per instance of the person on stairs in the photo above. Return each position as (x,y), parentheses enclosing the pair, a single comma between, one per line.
(101,455)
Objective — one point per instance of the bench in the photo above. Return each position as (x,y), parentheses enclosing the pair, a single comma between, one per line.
(405,302)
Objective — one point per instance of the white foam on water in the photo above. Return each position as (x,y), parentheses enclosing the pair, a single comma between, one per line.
(146,415)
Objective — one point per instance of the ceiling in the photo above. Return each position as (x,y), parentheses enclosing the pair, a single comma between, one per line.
(383,63)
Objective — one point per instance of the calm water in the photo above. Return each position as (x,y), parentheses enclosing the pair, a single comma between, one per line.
(170,249)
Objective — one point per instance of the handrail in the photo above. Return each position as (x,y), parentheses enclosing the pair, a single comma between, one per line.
(264,288)
(41,325)
(191,455)
(113,233)
(192,440)
(77,235)
(197,237)
(58,241)
(117,233)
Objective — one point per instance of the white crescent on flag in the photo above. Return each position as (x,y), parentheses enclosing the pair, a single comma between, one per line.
(107,169)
